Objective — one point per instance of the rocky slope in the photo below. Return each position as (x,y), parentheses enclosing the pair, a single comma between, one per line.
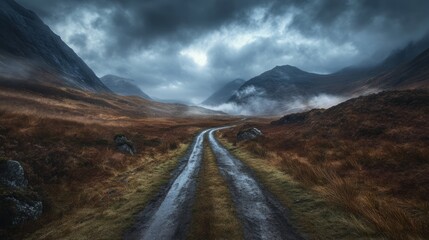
(27,45)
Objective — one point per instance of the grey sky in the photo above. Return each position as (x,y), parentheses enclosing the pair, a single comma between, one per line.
(187,49)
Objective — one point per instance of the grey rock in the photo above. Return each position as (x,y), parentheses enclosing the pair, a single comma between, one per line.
(12,174)
(248,134)
(16,211)
(124,145)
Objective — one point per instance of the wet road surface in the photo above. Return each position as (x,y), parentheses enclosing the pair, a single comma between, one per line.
(169,215)
(262,216)
(168,219)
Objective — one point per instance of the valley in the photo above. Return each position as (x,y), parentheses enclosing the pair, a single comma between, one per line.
(214,120)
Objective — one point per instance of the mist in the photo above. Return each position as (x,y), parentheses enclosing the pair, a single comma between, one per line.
(260,106)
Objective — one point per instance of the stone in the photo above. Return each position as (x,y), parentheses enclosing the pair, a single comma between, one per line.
(248,134)
(124,145)
(12,174)
(16,210)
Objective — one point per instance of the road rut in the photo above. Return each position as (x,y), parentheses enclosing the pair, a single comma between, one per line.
(262,216)
(169,216)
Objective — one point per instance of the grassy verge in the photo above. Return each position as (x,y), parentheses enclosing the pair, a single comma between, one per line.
(126,194)
(314,216)
(214,216)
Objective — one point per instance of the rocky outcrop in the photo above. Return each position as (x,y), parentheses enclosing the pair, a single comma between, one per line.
(124,145)
(18,203)
(248,134)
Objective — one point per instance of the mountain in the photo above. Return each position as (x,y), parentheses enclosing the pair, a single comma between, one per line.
(174,101)
(403,69)
(28,45)
(224,93)
(123,86)
(412,75)
(278,83)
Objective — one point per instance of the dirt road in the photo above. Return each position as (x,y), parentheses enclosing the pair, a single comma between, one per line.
(168,217)
(262,216)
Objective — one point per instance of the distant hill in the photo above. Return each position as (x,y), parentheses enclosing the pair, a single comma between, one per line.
(28,45)
(123,86)
(224,93)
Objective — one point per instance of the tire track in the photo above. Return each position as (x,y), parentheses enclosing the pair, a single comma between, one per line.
(168,217)
(262,216)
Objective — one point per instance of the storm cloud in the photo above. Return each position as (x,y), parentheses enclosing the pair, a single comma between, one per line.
(187,49)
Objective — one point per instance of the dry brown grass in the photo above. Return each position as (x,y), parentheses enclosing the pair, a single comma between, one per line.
(214,215)
(67,150)
(313,215)
(369,155)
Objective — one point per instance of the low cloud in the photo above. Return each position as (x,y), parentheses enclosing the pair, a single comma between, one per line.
(204,44)
(257,105)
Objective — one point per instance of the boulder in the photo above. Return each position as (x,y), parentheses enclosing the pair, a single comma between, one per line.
(248,134)
(12,174)
(16,210)
(18,203)
(124,145)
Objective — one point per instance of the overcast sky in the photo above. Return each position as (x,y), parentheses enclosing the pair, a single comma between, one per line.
(187,49)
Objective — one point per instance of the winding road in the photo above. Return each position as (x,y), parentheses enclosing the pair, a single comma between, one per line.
(168,218)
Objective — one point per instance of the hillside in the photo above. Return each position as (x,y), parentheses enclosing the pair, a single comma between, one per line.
(27,46)
(123,86)
(224,93)
(368,155)
(412,75)
(52,100)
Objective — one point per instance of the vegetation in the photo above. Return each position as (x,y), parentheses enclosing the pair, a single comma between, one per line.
(311,213)
(87,186)
(214,215)
(368,156)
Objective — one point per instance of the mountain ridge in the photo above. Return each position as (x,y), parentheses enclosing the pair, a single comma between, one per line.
(287,83)
(27,39)
(123,86)
(224,93)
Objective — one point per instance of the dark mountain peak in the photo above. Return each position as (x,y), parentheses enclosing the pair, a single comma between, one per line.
(23,35)
(123,86)
(285,72)
(286,67)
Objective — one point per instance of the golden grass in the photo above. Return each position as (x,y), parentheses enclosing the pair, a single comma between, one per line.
(214,215)
(381,213)
(72,163)
(368,156)
(312,214)
(115,200)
